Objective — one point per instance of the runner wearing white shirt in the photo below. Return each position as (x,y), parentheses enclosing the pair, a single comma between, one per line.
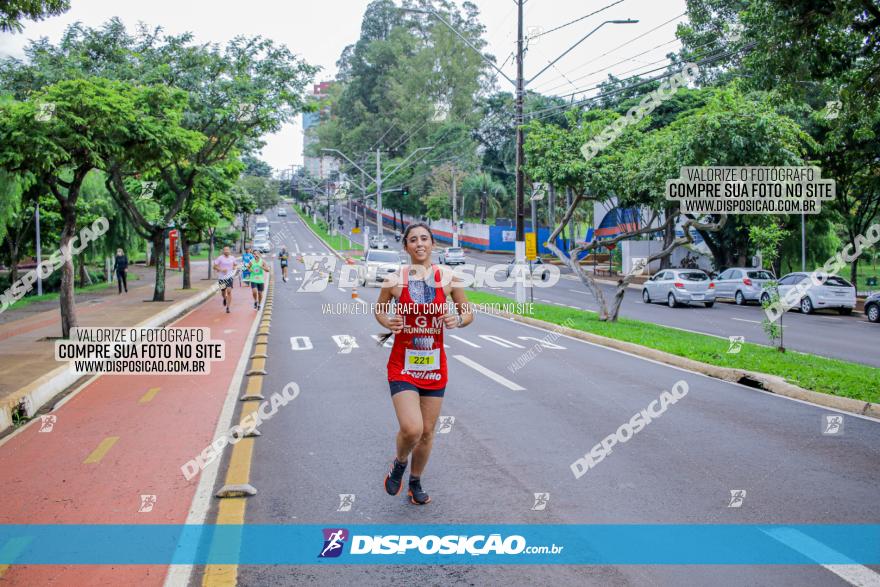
(226,265)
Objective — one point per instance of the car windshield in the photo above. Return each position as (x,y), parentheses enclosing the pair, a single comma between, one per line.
(837,281)
(383,257)
(760,275)
(453,250)
(694,276)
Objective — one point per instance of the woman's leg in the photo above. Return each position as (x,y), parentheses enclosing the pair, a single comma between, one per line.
(409,416)
(119,280)
(430,410)
(124,280)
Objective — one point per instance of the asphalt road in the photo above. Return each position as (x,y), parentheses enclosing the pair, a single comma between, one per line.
(825,333)
(517,434)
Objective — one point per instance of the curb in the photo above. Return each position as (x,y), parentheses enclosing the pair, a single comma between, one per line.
(770,383)
(38,393)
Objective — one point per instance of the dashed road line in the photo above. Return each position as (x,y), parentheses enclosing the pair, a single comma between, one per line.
(489,373)
(101,451)
(148,397)
(476,346)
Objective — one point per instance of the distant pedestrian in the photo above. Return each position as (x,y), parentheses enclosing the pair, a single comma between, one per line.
(120,266)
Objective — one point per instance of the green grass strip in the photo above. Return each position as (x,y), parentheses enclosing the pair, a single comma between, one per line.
(831,376)
(337,242)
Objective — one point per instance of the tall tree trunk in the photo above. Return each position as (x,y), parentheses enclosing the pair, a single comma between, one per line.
(211,232)
(13,248)
(159,258)
(668,237)
(66,298)
(854,273)
(184,243)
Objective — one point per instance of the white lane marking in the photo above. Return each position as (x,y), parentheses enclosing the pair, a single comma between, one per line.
(301,343)
(489,373)
(852,573)
(581,291)
(339,288)
(744,320)
(500,341)
(575,307)
(476,346)
(204,495)
(345,342)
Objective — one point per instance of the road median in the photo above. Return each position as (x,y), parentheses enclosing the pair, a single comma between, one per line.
(828,382)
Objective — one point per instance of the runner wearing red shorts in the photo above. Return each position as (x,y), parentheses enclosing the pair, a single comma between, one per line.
(417,366)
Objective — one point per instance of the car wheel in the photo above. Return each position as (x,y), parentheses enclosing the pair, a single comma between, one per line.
(873,312)
(670,301)
(845,311)
(646,297)
(710,304)
(740,299)
(807,306)
(765,299)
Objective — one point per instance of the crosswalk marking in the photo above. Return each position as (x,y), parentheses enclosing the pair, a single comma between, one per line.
(301,343)
(476,346)
(501,341)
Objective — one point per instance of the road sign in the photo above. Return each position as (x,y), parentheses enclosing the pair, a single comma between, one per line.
(531,246)
(356,230)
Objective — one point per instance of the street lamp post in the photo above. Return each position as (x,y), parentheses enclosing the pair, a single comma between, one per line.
(520,84)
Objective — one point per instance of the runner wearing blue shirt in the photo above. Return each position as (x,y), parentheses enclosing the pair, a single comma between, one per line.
(246,258)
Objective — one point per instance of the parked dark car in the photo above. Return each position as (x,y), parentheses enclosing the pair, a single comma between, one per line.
(872,307)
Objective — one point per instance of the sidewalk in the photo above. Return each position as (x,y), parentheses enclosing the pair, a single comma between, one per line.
(28,370)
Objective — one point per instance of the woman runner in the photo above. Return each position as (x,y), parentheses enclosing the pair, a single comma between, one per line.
(417,365)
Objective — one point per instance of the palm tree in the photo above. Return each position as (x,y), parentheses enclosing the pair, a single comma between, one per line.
(484,195)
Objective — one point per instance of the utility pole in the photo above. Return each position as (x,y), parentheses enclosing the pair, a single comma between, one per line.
(454,209)
(520,244)
(378,192)
(803,243)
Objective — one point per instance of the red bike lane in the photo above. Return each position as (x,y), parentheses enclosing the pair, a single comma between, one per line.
(119,438)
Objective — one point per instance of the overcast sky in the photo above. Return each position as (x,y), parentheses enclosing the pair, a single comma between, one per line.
(318,31)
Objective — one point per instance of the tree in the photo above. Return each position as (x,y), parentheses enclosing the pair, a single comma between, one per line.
(12,12)
(822,55)
(234,95)
(91,119)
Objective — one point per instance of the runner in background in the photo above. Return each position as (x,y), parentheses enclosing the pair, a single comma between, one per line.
(417,371)
(258,269)
(283,256)
(246,259)
(226,265)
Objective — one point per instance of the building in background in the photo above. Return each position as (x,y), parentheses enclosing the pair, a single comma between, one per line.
(320,167)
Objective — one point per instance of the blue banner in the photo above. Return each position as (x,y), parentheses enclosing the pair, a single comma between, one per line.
(636,544)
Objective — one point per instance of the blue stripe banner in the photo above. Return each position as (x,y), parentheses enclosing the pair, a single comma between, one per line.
(494,544)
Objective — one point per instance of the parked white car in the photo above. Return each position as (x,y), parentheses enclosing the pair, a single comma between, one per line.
(835,292)
(378,242)
(377,265)
(675,287)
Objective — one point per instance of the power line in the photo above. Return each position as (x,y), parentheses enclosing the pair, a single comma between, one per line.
(621,46)
(710,59)
(562,26)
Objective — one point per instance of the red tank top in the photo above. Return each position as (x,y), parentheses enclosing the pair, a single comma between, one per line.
(418,356)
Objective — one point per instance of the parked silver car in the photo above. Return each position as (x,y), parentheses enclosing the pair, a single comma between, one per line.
(377,265)
(679,286)
(742,284)
(835,292)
